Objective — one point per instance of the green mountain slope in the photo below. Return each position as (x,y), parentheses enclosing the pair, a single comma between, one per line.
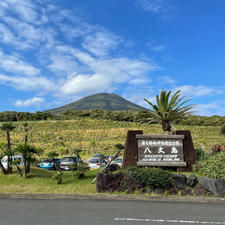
(104,101)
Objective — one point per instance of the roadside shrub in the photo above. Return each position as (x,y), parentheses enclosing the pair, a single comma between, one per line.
(155,177)
(200,154)
(213,166)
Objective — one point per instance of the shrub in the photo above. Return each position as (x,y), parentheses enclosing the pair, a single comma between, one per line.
(200,154)
(154,177)
(213,166)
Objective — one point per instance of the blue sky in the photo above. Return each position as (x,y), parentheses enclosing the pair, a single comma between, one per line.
(53,52)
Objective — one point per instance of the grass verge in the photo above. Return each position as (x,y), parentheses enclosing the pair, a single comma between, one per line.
(43,181)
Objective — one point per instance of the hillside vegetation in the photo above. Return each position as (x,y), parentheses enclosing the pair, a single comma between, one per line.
(129,116)
(98,135)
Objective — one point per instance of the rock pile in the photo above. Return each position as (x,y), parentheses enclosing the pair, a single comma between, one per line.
(122,182)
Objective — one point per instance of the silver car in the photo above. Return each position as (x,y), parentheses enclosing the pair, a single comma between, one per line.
(118,161)
(95,163)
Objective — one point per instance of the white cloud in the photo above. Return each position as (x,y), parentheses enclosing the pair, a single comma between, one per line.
(211,108)
(166,80)
(29,35)
(150,5)
(158,48)
(139,81)
(36,101)
(27,83)
(16,65)
(92,66)
(137,95)
(79,29)
(113,70)
(85,83)
(26,10)
(101,43)
(198,91)
(62,64)
(7,36)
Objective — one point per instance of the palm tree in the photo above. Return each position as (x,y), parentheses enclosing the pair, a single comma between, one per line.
(7,127)
(26,151)
(166,110)
(26,128)
(2,154)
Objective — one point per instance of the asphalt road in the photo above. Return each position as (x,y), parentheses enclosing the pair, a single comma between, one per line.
(108,212)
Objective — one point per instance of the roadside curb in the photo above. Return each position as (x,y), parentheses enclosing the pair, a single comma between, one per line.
(111,197)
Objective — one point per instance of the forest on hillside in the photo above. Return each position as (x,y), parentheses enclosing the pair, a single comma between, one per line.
(127,116)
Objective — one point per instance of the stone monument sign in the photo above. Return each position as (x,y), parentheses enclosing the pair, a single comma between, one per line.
(160,150)
(175,150)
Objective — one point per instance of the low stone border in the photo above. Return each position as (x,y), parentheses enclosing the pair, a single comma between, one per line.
(111,197)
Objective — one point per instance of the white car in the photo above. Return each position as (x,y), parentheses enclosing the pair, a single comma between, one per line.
(95,163)
(4,160)
(118,161)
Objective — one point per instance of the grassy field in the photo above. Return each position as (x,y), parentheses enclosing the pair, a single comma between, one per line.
(43,181)
(99,135)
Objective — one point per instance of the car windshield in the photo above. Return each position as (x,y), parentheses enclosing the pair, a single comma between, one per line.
(17,158)
(94,161)
(117,160)
(69,159)
(46,161)
(96,155)
(4,160)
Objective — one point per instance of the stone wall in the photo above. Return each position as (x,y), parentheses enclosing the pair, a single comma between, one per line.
(180,184)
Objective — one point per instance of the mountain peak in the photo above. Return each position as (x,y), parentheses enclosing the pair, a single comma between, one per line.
(104,101)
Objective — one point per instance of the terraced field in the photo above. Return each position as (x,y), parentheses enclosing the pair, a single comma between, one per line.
(99,135)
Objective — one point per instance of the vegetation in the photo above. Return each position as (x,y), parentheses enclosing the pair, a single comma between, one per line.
(8,127)
(222,130)
(128,116)
(43,181)
(93,135)
(13,116)
(154,177)
(168,110)
(27,152)
(212,166)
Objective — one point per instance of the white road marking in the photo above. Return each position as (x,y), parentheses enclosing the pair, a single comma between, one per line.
(168,221)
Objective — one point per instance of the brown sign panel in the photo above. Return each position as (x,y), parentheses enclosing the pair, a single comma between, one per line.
(160,150)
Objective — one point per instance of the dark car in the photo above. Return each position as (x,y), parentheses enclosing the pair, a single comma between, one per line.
(49,164)
(67,162)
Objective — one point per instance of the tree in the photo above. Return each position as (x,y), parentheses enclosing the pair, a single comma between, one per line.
(2,154)
(52,155)
(8,127)
(27,152)
(167,110)
(222,130)
(26,128)
(81,167)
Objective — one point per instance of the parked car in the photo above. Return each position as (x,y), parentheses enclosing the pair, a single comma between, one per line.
(111,156)
(106,158)
(118,161)
(98,156)
(95,163)
(4,160)
(67,161)
(49,164)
